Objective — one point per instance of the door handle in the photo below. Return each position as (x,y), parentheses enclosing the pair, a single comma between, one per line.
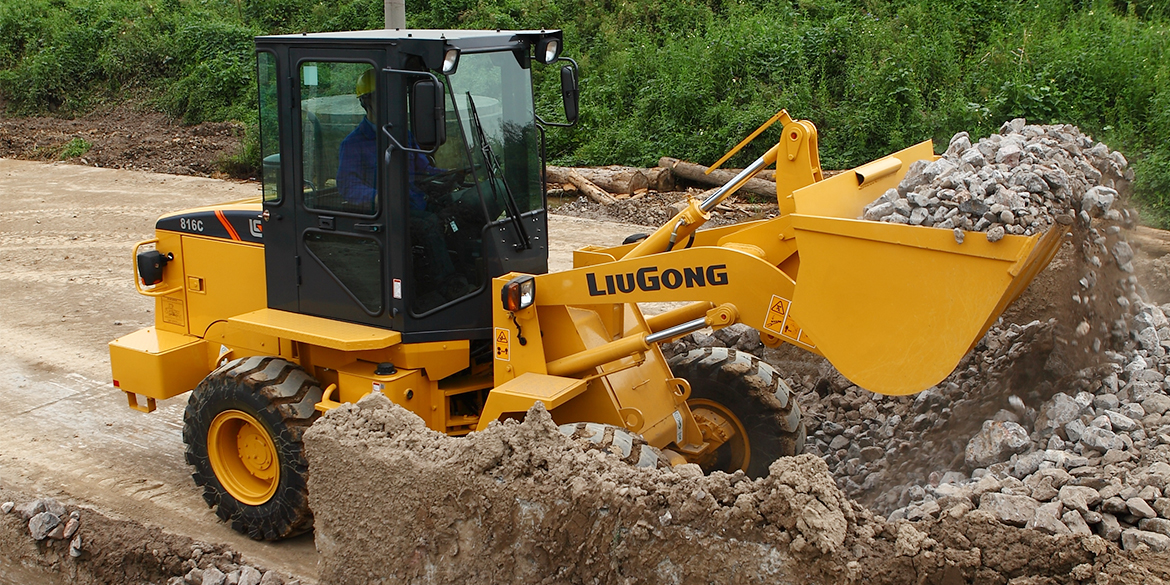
(368,227)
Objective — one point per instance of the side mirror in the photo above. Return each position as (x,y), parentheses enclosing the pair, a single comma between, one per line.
(428,114)
(570,93)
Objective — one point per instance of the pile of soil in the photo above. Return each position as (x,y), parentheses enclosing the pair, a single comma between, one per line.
(522,503)
(124,136)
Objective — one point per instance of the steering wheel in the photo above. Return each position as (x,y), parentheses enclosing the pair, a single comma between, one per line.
(443,181)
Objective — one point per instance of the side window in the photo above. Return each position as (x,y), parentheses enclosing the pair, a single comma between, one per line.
(269,124)
(339,137)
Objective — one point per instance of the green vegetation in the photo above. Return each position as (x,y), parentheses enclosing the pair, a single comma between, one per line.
(685,78)
(75,148)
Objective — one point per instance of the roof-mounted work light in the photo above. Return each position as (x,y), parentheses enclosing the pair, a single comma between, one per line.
(450,61)
(548,49)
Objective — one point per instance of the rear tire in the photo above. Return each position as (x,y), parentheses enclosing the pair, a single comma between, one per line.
(740,397)
(617,441)
(243,427)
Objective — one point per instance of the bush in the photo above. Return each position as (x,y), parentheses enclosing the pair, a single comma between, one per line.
(685,78)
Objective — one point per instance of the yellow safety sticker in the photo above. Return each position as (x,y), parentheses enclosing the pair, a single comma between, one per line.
(777,313)
(804,338)
(791,330)
(503,344)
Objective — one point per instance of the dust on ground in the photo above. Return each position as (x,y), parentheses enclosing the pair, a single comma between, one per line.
(124,136)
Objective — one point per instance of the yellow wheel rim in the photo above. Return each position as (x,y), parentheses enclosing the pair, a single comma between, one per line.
(728,447)
(243,457)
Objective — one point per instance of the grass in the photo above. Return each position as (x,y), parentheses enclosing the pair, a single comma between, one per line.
(685,78)
(75,148)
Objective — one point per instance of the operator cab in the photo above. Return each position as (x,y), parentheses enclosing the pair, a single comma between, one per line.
(402,172)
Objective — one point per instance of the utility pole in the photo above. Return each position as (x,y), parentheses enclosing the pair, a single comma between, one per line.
(395,13)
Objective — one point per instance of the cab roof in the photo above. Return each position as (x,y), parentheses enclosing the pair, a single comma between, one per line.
(461,39)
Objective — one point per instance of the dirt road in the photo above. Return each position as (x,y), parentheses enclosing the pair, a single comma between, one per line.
(66,289)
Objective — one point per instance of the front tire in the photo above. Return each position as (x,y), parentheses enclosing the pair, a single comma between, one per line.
(243,427)
(743,405)
(617,441)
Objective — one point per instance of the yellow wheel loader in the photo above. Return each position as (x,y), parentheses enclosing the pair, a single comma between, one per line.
(400,246)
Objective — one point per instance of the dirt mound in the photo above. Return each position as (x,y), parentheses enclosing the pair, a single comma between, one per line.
(521,503)
(104,550)
(124,136)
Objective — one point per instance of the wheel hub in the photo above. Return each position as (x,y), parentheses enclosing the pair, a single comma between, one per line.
(243,457)
(254,452)
(728,448)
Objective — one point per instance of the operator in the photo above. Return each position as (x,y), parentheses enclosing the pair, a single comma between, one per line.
(357,173)
(357,180)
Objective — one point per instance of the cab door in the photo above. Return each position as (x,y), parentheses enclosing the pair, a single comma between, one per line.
(342,242)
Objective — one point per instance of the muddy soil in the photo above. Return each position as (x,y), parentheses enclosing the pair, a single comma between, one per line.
(522,503)
(123,136)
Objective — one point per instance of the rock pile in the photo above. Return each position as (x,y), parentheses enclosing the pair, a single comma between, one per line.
(48,519)
(1091,457)
(116,551)
(1020,181)
(1072,396)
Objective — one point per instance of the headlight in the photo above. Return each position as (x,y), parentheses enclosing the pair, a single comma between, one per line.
(519,293)
(450,61)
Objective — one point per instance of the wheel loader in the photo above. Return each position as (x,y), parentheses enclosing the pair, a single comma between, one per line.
(426,279)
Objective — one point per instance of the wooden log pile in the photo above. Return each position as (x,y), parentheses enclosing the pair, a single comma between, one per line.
(607,185)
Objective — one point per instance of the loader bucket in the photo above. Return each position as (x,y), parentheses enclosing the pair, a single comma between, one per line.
(896,307)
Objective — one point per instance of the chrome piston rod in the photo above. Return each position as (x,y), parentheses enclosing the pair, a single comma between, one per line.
(734,184)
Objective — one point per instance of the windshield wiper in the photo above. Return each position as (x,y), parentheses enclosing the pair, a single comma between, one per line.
(494,172)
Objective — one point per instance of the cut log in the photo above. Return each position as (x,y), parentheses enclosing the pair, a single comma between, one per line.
(616,180)
(718,177)
(568,175)
(766,174)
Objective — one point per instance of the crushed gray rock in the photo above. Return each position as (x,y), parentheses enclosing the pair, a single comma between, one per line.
(1021,181)
(1132,538)
(249,576)
(996,440)
(40,525)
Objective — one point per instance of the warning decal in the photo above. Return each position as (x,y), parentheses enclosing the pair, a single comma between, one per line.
(503,344)
(777,321)
(791,330)
(777,313)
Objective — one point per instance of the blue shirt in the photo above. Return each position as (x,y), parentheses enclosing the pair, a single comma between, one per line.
(357,172)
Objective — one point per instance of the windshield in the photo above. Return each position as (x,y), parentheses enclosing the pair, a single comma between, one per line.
(499,91)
